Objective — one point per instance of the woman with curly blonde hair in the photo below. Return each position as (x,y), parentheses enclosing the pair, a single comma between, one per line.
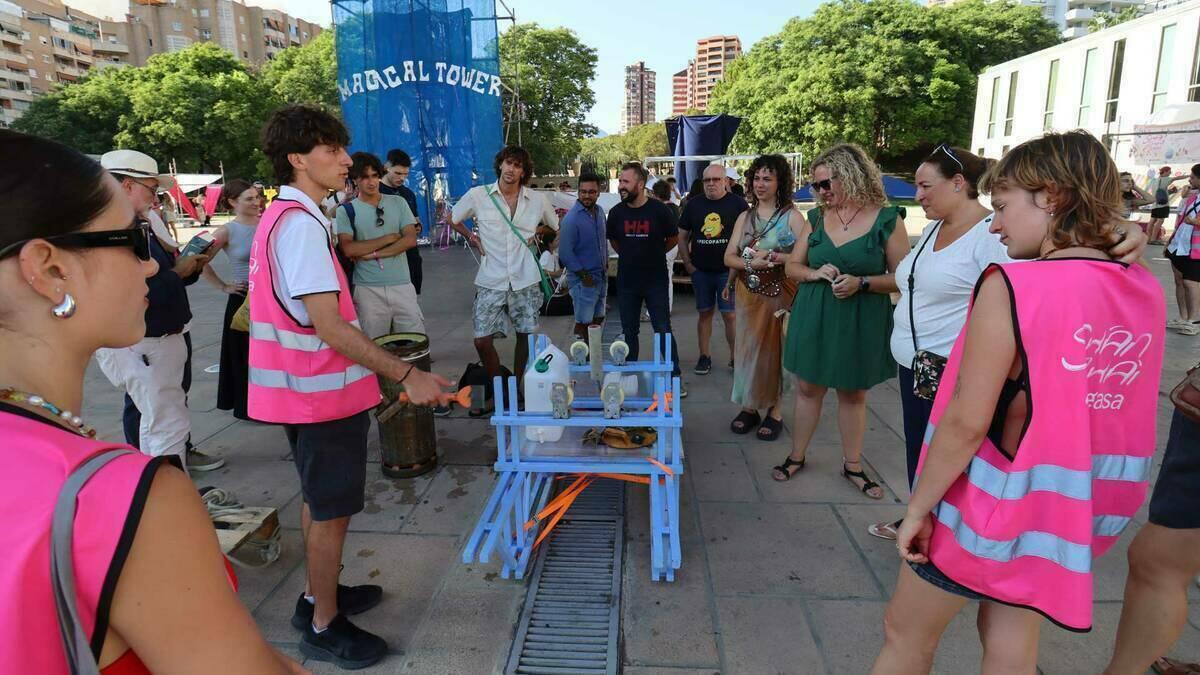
(838,335)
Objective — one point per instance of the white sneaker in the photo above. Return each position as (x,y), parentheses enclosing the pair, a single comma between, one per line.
(199,461)
(1176,323)
(1188,329)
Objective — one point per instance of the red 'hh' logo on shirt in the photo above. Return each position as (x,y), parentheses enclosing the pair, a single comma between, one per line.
(637,228)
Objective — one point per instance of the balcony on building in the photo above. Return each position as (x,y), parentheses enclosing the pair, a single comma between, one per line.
(66,72)
(1080,15)
(13,75)
(105,47)
(15,60)
(1074,32)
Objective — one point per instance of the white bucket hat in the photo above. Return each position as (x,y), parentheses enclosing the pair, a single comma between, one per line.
(135,164)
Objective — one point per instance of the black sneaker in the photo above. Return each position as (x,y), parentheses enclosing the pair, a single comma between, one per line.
(343,643)
(351,600)
(703,366)
(441,411)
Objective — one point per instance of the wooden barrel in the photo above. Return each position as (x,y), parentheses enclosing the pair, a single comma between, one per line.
(407,441)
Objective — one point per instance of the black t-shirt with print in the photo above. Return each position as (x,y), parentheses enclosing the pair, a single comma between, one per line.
(641,236)
(710,224)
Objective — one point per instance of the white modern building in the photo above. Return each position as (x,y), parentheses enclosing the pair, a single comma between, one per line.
(1105,82)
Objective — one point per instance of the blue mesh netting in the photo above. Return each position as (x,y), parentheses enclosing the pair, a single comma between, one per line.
(423,76)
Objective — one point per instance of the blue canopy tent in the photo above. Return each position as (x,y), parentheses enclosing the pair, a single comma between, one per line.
(698,135)
(893,187)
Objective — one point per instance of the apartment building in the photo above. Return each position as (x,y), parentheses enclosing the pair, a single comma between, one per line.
(44,42)
(692,86)
(639,96)
(1105,82)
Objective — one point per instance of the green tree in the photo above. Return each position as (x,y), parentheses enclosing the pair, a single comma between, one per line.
(644,140)
(305,74)
(890,75)
(86,115)
(552,69)
(1104,20)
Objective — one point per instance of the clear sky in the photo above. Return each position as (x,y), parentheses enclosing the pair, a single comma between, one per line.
(659,32)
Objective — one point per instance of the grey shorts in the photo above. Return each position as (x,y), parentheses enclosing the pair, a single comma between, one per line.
(495,311)
(331,458)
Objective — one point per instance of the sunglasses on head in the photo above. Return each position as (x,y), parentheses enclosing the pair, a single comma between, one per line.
(136,237)
(943,148)
(825,185)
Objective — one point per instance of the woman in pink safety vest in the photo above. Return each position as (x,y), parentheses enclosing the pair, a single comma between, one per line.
(1038,456)
(152,592)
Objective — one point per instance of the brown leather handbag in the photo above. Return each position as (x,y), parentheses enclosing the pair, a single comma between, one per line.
(1186,394)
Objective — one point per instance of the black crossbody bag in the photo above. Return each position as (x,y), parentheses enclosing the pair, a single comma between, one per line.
(927,367)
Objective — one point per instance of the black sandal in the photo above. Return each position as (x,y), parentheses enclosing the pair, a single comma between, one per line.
(772,426)
(747,420)
(867,485)
(784,468)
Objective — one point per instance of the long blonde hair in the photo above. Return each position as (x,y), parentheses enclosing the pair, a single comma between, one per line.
(860,177)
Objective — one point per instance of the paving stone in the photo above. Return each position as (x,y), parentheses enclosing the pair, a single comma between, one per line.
(255,584)
(468,632)
(389,502)
(637,514)
(654,670)
(819,481)
(767,635)
(719,473)
(409,568)
(666,623)
(453,502)
(782,549)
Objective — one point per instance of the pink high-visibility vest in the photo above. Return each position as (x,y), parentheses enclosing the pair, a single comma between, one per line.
(39,459)
(1023,530)
(295,377)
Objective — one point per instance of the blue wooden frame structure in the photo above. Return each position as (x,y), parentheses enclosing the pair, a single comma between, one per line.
(527,468)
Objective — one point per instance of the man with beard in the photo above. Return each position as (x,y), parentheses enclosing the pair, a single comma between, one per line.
(508,217)
(642,230)
(583,254)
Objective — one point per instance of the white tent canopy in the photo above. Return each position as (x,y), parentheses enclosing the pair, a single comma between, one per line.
(190,182)
(1169,136)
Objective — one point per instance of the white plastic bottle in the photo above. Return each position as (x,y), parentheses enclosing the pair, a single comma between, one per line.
(550,366)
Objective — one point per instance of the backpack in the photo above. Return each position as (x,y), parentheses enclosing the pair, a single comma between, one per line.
(346,263)
(476,376)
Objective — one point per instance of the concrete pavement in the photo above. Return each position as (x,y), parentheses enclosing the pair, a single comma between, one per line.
(776,577)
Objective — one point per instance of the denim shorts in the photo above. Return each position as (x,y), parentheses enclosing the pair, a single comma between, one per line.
(1175,503)
(708,287)
(588,300)
(929,572)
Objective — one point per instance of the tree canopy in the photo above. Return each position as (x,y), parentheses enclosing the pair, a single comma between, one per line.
(644,140)
(552,69)
(890,75)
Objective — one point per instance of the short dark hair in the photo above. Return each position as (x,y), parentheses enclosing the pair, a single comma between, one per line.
(33,162)
(519,155)
(1126,173)
(398,157)
(637,168)
(671,180)
(363,161)
(662,190)
(972,167)
(1196,170)
(298,129)
(589,177)
(231,191)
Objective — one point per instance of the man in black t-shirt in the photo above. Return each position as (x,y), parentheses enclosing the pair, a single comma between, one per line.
(398,166)
(704,229)
(642,230)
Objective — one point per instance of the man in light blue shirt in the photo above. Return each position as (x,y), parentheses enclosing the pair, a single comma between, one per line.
(376,235)
(583,252)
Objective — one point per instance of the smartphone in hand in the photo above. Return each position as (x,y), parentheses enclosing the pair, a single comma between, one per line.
(198,244)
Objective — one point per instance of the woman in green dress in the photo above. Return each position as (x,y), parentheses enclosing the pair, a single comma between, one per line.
(841,323)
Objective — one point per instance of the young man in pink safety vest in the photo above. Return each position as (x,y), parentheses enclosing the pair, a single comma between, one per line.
(312,370)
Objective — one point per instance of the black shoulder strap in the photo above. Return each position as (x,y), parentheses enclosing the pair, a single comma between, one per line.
(912,285)
(350,214)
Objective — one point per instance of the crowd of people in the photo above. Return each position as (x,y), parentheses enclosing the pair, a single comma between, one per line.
(1041,298)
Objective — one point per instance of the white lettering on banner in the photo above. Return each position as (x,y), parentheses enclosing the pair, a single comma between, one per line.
(1117,352)
(389,74)
(373,79)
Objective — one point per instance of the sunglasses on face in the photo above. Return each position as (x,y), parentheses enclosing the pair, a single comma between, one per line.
(136,237)
(943,148)
(823,185)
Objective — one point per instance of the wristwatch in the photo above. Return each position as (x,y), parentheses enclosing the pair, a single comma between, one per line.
(864,284)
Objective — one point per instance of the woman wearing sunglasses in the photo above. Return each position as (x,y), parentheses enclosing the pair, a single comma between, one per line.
(151,590)
(1039,455)
(936,279)
(837,334)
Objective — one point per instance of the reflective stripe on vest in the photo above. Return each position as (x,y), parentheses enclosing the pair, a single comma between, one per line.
(312,384)
(1069,555)
(301,342)
(1071,483)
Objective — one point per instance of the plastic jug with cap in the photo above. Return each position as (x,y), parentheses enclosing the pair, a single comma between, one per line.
(551,366)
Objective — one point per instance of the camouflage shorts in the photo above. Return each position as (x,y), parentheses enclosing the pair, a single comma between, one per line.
(495,311)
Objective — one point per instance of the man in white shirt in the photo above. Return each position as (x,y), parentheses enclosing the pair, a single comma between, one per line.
(508,284)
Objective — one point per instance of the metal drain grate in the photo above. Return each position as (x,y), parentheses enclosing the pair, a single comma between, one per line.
(571,620)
